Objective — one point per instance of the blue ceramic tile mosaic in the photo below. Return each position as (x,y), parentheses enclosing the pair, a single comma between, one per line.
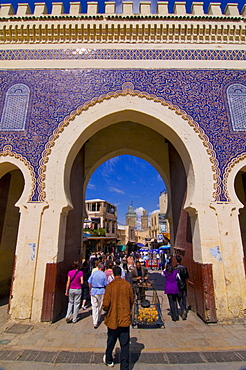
(122,54)
(55,94)
(15,108)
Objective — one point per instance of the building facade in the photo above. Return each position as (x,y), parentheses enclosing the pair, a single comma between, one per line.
(163,202)
(80,88)
(159,222)
(102,215)
(159,225)
(101,224)
(142,236)
(126,234)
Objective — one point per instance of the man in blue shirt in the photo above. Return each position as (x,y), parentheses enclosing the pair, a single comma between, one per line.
(97,283)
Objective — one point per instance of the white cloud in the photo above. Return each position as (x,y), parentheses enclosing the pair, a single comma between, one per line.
(138,224)
(109,166)
(115,190)
(139,213)
(91,186)
(108,169)
(155,211)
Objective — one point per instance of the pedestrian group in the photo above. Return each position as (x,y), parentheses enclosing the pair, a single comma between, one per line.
(110,284)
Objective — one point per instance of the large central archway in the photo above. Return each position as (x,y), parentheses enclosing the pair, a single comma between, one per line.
(108,129)
(171,124)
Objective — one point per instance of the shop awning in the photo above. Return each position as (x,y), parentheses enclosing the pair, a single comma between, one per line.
(121,247)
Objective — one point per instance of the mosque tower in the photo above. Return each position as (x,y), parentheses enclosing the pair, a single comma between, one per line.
(131,217)
(144,221)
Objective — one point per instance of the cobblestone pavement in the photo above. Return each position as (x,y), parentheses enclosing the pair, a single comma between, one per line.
(189,344)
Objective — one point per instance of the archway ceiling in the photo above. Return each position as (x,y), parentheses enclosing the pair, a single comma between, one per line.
(130,138)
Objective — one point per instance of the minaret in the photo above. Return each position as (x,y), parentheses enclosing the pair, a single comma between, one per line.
(144,221)
(131,217)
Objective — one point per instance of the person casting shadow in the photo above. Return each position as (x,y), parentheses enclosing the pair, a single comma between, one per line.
(172,290)
(73,291)
(117,303)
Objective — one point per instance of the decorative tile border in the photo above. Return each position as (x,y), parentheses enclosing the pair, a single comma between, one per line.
(55,94)
(122,54)
(128,89)
(8,151)
(227,171)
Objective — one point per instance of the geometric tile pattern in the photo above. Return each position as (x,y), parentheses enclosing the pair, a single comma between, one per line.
(15,108)
(56,94)
(236,95)
(122,54)
(128,88)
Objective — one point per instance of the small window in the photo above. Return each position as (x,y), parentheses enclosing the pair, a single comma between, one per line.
(15,108)
(236,96)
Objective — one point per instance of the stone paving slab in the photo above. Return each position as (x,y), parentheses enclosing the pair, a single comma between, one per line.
(168,358)
(137,366)
(177,344)
(18,328)
(9,355)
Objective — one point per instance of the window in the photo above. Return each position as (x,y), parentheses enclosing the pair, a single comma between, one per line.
(107,228)
(110,209)
(236,96)
(15,108)
(96,223)
(94,207)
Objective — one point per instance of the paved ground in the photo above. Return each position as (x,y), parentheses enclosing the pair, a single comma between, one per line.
(189,344)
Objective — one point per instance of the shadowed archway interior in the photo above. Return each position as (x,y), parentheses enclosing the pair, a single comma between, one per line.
(11,188)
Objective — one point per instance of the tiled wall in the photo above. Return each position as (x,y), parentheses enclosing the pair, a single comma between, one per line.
(54,94)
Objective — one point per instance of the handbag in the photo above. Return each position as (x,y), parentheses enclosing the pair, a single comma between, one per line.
(74,276)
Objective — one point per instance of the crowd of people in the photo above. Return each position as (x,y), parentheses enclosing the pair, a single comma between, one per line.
(109,283)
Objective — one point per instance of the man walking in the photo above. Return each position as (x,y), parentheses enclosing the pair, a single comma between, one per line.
(184,275)
(117,302)
(139,274)
(97,283)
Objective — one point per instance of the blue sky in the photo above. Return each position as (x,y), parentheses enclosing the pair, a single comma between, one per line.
(118,2)
(125,179)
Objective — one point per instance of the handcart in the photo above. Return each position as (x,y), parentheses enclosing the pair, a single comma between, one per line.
(146,310)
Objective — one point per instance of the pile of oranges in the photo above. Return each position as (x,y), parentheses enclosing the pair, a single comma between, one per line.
(149,315)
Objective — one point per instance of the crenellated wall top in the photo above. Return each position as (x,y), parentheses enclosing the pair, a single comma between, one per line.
(125,10)
(122,24)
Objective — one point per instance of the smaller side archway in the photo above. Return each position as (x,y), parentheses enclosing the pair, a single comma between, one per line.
(240,188)
(16,186)
(235,184)
(11,188)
